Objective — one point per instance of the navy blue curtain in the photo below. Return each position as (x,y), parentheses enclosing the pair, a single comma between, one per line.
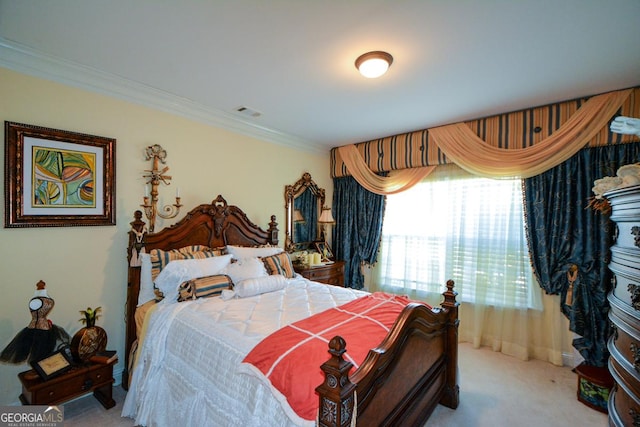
(562,231)
(358,214)
(307,204)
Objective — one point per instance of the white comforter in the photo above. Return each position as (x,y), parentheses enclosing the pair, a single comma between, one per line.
(187,371)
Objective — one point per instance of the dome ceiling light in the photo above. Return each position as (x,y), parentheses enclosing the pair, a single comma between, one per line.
(374,64)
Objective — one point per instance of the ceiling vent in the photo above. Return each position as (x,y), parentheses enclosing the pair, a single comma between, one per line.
(246,111)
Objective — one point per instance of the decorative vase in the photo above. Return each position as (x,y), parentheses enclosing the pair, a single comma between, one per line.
(87,342)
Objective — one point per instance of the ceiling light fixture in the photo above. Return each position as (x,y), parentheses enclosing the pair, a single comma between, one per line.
(374,64)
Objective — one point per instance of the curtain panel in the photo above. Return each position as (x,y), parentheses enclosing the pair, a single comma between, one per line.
(511,131)
(307,204)
(359,214)
(562,231)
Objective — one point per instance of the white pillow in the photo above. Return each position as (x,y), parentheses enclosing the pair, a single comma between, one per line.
(146,283)
(247,268)
(181,270)
(256,286)
(242,252)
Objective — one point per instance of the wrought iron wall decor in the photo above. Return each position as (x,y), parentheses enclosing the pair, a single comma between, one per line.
(155,176)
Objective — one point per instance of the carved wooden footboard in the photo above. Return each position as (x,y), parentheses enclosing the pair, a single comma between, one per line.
(401,381)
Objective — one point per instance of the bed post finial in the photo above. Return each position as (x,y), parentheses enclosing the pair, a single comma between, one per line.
(450,296)
(273,231)
(337,392)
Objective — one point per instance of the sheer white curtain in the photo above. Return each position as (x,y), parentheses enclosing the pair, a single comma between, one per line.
(457,226)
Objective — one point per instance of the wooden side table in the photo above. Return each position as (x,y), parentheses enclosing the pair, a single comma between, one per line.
(82,379)
(331,274)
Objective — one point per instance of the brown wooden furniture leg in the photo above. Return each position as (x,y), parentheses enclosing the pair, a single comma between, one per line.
(104,396)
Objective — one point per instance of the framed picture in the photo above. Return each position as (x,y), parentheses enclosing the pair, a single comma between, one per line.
(325,251)
(56,178)
(56,364)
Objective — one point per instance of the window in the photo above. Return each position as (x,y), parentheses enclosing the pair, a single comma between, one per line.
(468,229)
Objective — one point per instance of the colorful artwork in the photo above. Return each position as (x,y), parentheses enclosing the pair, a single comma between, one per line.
(57,178)
(63,178)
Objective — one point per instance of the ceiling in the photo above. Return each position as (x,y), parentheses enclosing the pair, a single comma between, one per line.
(292,61)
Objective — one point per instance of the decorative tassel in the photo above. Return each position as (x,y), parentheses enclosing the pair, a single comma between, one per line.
(135,257)
(599,204)
(138,247)
(135,261)
(572,275)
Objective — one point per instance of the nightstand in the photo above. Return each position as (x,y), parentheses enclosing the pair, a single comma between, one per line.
(81,379)
(331,274)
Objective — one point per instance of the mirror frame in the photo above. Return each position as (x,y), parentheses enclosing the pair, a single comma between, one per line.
(290,193)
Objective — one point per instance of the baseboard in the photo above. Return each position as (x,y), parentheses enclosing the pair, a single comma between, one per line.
(568,359)
(117,375)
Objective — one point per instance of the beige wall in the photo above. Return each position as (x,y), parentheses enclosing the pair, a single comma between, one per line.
(86,266)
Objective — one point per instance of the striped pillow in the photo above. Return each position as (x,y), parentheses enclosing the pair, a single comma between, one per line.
(160,258)
(204,287)
(279,264)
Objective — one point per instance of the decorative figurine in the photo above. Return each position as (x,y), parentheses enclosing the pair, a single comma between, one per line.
(626,125)
(40,338)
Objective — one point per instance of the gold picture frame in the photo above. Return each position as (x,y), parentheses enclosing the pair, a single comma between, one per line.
(325,251)
(56,364)
(57,178)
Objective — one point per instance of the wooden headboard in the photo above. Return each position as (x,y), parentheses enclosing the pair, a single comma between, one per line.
(214,225)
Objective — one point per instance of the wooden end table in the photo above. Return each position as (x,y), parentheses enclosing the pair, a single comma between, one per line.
(82,379)
(331,274)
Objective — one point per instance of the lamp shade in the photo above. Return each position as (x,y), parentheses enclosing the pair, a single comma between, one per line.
(297,216)
(326,217)
(374,64)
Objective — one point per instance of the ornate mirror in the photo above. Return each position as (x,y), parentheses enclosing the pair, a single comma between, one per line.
(303,204)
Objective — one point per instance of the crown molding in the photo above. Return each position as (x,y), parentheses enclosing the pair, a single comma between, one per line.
(38,64)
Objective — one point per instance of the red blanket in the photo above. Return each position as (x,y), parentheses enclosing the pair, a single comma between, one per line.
(290,358)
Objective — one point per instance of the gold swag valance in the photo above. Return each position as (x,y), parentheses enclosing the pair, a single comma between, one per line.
(519,144)
(397,181)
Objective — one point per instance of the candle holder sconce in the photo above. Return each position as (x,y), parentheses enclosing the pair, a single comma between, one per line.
(155,176)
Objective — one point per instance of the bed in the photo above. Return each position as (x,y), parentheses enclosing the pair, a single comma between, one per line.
(190,363)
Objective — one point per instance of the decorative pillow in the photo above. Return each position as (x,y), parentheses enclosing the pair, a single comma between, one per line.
(204,287)
(279,264)
(160,259)
(242,252)
(247,268)
(255,286)
(146,282)
(158,294)
(179,271)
